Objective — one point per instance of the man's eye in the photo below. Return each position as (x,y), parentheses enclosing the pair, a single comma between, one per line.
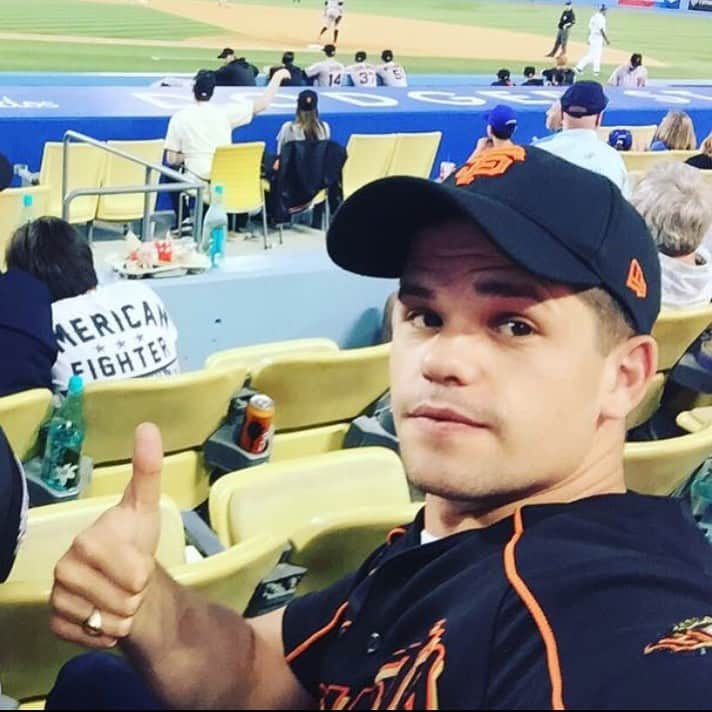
(515,327)
(423,320)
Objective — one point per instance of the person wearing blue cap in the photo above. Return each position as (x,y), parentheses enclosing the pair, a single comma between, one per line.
(596,37)
(582,106)
(501,123)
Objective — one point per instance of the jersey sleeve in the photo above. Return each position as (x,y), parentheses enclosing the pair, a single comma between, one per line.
(309,624)
(173,137)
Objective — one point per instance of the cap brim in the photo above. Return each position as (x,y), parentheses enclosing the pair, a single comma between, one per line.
(372,231)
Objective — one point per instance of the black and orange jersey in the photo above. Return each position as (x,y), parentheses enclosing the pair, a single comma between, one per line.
(601,603)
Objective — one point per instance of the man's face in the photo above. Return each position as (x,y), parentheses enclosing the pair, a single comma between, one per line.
(496,375)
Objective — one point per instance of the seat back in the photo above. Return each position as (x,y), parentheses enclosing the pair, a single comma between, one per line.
(86,166)
(282,497)
(660,466)
(643,160)
(321,388)
(642,135)
(21,415)
(186,407)
(368,159)
(676,329)
(238,168)
(51,530)
(414,154)
(11,211)
(250,356)
(120,171)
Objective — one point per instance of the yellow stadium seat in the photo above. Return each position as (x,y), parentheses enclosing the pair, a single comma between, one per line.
(313,391)
(283,497)
(21,415)
(31,656)
(660,466)
(86,166)
(642,135)
(120,171)
(186,407)
(250,356)
(335,544)
(11,211)
(414,154)
(238,168)
(369,156)
(643,160)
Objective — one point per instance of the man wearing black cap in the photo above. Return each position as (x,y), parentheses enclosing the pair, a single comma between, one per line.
(391,73)
(531,578)
(361,72)
(566,22)
(296,74)
(630,76)
(582,107)
(327,73)
(236,71)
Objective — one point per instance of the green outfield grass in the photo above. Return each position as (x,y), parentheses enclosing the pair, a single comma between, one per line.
(682,41)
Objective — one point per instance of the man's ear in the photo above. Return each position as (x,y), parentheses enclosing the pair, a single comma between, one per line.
(631,367)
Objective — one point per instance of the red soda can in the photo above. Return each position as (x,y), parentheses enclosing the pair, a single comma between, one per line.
(256,429)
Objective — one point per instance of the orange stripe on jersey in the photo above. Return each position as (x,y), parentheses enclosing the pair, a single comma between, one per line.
(547,634)
(319,634)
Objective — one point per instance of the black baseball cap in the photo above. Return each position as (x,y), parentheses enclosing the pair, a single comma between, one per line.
(204,84)
(360,56)
(595,239)
(307,100)
(329,50)
(226,53)
(584,99)
(387,55)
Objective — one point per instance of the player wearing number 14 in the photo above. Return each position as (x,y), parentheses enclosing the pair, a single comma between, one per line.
(327,73)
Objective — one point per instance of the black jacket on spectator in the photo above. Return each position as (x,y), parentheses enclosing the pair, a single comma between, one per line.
(297,77)
(305,168)
(701,160)
(532,83)
(559,76)
(11,501)
(238,73)
(28,347)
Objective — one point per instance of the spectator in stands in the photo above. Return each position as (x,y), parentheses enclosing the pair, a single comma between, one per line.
(391,73)
(630,76)
(559,75)
(504,79)
(531,79)
(194,132)
(501,123)
(296,74)
(704,158)
(676,132)
(236,71)
(361,72)
(115,331)
(306,125)
(13,508)
(582,108)
(327,73)
(554,117)
(28,347)
(676,203)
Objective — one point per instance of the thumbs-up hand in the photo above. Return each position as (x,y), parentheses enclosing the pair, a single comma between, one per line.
(101,582)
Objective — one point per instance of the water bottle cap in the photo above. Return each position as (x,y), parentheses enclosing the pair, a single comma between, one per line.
(218,189)
(76,385)
(27,200)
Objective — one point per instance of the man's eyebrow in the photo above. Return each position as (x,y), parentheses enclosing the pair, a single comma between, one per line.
(518,290)
(411,289)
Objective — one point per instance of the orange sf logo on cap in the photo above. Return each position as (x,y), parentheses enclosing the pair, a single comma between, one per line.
(494,162)
(636,280)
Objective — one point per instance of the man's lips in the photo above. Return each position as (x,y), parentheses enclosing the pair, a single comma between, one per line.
(444,414)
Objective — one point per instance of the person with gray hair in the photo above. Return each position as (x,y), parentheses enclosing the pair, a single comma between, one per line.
(676,203)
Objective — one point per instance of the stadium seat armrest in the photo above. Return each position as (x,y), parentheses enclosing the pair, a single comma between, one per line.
(200,535)
(694,420)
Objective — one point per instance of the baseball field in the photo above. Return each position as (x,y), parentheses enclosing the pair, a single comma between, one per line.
(444,36)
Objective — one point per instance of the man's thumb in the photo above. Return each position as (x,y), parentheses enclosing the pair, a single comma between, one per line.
(143,493)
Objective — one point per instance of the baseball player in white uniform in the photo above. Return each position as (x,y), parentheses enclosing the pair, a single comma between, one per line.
(362,73)
(596,38)
(391,72)
(333,12)
(327,73)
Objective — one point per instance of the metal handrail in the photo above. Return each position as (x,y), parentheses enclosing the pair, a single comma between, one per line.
(180,184)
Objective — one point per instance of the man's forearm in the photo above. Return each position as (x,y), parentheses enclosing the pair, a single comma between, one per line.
(262,102)
(193,653)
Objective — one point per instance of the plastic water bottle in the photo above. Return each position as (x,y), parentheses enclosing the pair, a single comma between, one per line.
(65,435)
(27,213)
(212,242)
